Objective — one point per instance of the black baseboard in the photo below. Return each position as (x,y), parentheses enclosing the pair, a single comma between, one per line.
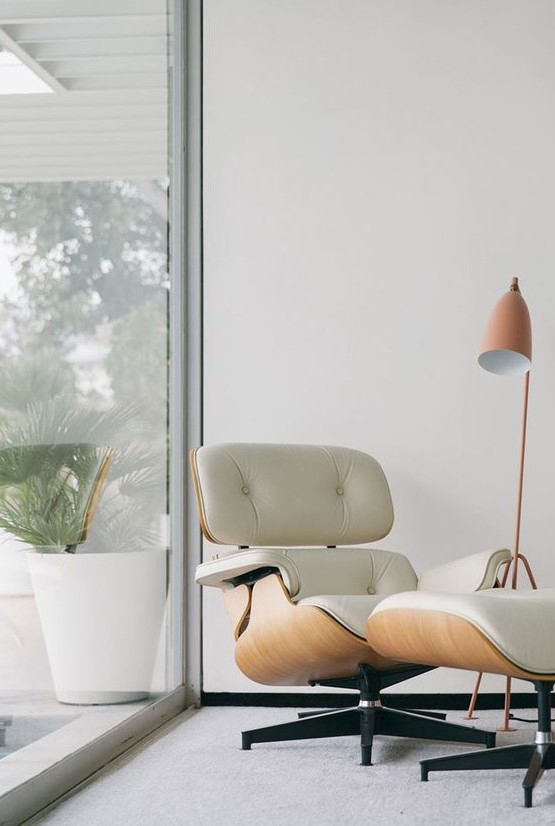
(447,702)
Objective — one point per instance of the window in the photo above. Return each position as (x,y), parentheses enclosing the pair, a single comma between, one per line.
(91,299)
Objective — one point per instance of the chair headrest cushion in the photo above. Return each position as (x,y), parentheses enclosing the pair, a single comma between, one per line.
(290,495)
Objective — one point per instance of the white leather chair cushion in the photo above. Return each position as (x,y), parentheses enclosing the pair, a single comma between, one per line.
(470,573)
(350,571)
(518,623)
(312,571)
(351,612)
(293,495)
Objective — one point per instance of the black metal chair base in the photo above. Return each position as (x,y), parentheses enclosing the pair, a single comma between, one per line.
(535,757)
(368,719)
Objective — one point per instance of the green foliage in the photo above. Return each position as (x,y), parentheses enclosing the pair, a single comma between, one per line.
(86,252)
(64,420)
(50,488)
(48,476)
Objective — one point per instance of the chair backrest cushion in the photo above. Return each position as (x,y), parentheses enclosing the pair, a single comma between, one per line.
(290,495)
(314,571)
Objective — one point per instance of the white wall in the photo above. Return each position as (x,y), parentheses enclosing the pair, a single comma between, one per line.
(375,172)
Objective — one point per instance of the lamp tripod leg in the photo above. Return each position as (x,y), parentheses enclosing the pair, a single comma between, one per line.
(472,705)
(507,709)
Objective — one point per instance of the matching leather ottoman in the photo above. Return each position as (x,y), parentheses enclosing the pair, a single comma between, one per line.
(499,631)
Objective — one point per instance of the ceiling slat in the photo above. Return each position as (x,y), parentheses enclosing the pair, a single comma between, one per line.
(116,139)
(79,126)
(25,175)
(108,97)
(155,113)
(90,30)
(122,81)
(31,10)
(96,155)
(95,47)
(112,66)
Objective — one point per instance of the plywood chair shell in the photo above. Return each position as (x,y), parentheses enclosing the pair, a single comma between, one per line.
(238,602)
(288,644)
(441,639)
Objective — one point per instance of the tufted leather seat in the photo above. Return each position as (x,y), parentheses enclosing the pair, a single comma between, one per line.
(301,586)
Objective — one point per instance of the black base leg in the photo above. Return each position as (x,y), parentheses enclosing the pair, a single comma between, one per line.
(318,711)
(313,713)
(332,724)
(506,757)
(542,759)
(535,771)
(534,757)
(436,715)
(367,729)
(407,724)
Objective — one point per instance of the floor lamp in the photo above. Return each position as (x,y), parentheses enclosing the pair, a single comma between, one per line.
(507,350)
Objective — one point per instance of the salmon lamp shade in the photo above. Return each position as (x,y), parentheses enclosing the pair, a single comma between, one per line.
(507,344)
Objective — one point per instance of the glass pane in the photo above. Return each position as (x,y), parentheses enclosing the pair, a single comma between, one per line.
(84,331)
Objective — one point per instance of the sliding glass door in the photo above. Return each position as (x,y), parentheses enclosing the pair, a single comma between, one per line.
(92,388)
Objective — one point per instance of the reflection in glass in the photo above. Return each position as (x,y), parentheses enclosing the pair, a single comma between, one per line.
(83,440)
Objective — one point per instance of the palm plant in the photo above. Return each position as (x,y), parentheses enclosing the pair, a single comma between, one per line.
(57,457)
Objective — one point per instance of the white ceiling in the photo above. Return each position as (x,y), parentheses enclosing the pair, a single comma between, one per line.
(107,62)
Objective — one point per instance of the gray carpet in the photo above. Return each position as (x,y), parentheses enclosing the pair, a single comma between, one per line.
(196,775)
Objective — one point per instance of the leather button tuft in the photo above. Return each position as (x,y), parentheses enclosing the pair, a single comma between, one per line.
(371,590)
(339,491)
(245,489)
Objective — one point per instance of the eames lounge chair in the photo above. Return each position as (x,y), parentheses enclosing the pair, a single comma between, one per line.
(298,602)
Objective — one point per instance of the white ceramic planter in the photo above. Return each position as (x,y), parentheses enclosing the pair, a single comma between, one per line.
(101,616)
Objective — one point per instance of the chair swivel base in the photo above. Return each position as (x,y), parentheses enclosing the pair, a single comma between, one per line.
(536,757)
(369,718)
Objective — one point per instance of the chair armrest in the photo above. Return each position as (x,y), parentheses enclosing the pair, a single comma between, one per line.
(228,570)
(470,573)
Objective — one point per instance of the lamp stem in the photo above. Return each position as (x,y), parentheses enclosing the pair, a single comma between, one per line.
(515,559)
(520,479)
(517,556)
